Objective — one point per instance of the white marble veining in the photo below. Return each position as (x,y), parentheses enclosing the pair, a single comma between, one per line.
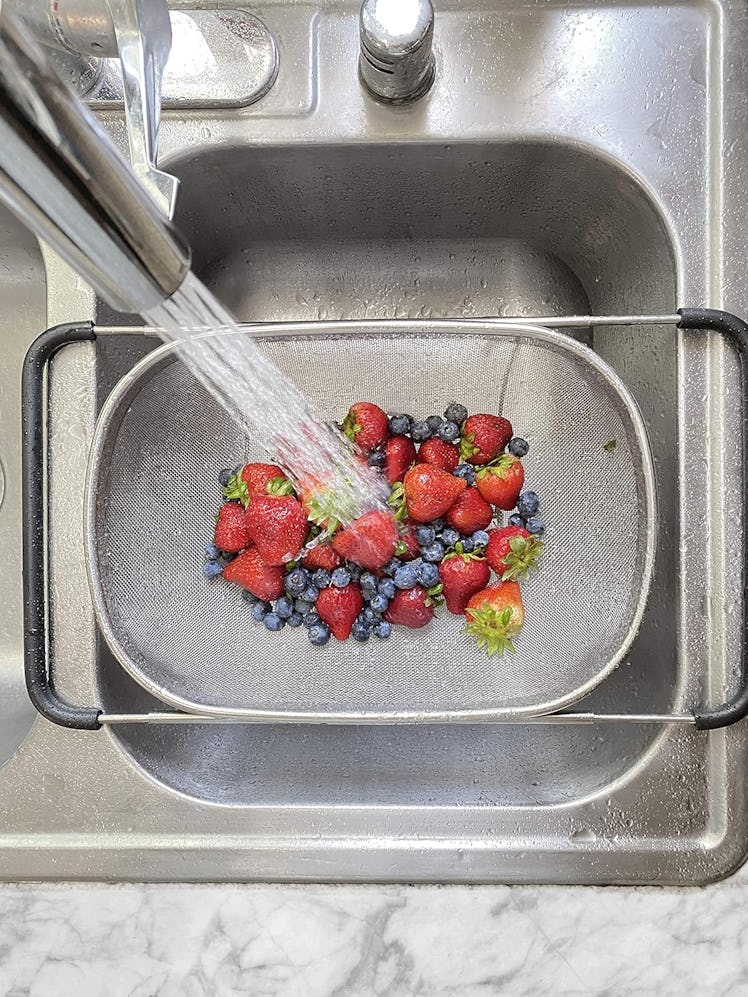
(335,941)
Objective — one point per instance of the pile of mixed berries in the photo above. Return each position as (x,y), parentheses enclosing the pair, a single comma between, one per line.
(451,477)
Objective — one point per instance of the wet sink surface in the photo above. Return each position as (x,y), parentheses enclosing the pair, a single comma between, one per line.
(582,181)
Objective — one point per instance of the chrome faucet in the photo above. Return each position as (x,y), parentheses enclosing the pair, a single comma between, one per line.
(396,61)
(138,32)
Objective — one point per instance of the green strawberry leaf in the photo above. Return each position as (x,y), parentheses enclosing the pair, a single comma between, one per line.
(236,488)
(280,486)
(396,501)
(467,446)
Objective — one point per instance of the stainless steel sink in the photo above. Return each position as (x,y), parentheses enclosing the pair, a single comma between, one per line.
(568,159)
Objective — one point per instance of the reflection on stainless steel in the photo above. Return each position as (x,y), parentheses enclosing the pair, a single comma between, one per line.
(396,62)
(138,34)
(62,176)
(528,183)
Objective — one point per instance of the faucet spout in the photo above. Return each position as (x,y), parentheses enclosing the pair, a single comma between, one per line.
(60,173)
(396,61)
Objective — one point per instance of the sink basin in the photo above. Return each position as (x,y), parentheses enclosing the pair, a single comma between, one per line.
(566,161)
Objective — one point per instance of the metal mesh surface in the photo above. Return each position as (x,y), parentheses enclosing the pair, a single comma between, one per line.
(152,497)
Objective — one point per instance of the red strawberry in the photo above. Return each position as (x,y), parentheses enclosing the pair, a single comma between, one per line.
(366,425)
(369,541)
(253,573)
(339,607)
(407,545)
(278,526)
(470,512)
(231,529)
(512,552)
(439,453)
(399,454)
(320,503)
(483,437)
(258,476)
(429,492)
(321,556)
(410,608)
(494,616)
(501,483)
(462,575)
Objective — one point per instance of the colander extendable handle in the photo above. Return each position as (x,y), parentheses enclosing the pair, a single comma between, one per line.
(736,330)
(39,680)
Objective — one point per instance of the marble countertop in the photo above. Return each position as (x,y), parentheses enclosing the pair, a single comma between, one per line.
(335,941)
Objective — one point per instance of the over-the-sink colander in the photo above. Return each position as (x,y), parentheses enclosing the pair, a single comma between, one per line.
(152,494)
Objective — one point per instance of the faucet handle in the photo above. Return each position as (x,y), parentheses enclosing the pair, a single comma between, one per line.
(143,32)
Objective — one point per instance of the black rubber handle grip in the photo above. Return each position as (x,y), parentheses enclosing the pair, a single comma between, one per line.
(33,415)
(736,330)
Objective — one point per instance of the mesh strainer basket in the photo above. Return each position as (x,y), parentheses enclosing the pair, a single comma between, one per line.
(152,496)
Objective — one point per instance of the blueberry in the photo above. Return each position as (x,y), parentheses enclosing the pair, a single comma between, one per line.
(310,593)
(376,458)
(248,597)
(400,424)
(406,577)
(420,431)
(284,607)
(434,552)
(371,615)
(425,535)
(454,412)
(379,602)
(212,552)
(321,578)
(296,581)
(480,538)
(535,525)
(355,572)
(260,610)
(437,525)
(295,620)
(467,544)
(391,566)
(466,471)
(273,622)
(434,422)
(311,619)
(515,520)
(382,629)
(223,476)
(340,578)
(211,569)
(319,634)
(450,537)
(518,447)
(448,431)
(387,588)
(360,631)
(369,584)
(303,606)
(428,575)
(528,504)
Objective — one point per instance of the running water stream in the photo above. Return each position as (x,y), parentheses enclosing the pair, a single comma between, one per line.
(236,370)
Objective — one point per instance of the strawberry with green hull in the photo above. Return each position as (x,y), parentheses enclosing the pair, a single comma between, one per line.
(411,608)
(399,457)
(501,482)
(512,551)
(462,575)
(366,425)
(407,548)
(369,541)
(484,437)
(232,534)
(495,616)
(278,527)
(253,573)
(439,453)
(469,513)
(430,492)
(257,479)
(339,607)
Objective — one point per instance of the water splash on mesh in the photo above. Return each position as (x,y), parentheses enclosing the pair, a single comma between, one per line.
(239,373)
